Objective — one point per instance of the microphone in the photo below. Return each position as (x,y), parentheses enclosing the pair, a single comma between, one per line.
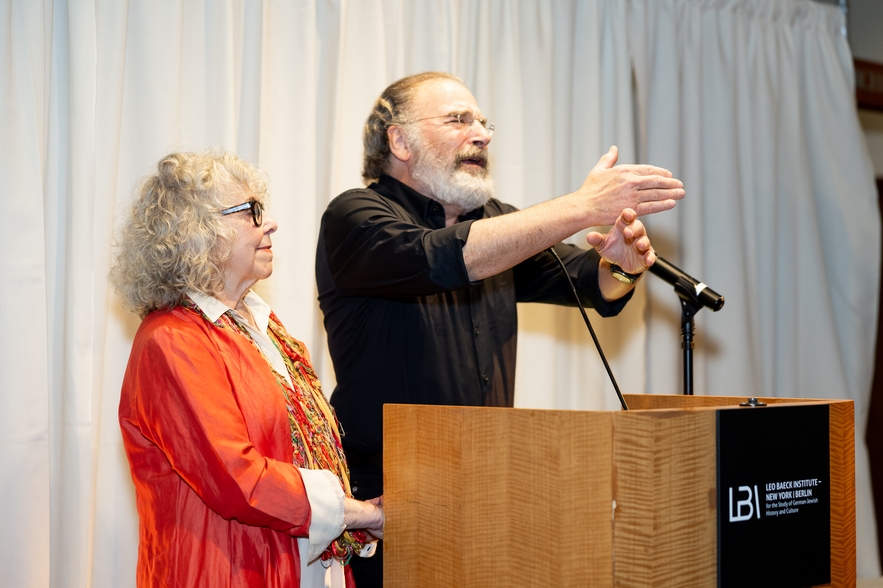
(677,277)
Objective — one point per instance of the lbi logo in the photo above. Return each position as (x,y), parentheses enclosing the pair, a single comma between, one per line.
(747,508)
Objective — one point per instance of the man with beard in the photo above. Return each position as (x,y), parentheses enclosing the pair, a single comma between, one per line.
(420,272)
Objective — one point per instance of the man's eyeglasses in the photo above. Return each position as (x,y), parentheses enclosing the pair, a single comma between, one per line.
(464,120)
(257,211)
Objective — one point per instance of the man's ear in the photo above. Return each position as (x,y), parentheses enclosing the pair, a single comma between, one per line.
(398,144)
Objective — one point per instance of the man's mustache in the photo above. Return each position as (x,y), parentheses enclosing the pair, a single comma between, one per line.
(473,155)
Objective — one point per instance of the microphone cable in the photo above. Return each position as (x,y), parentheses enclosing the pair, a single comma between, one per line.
(591,330)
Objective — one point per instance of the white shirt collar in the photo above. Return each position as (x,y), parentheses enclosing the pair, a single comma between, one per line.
(214,308)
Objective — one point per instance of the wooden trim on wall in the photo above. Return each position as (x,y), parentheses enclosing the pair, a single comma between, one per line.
(874,432)
(868,84)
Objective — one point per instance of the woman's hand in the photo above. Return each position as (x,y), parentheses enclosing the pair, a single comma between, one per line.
(367,515)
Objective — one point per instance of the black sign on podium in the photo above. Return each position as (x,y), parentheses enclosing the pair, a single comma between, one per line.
(773,497)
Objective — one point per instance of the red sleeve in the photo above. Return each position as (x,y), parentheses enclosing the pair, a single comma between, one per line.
(213,410)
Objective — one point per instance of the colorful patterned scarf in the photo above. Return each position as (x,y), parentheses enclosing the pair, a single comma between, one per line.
(315,434)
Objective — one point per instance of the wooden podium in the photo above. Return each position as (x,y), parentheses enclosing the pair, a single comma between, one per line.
(522,497)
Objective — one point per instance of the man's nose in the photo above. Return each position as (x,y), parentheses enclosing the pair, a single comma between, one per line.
(480,135)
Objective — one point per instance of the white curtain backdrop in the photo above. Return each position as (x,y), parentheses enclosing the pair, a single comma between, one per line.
(748,101)
(762,129)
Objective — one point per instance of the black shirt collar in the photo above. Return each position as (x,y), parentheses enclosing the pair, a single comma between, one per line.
(417,204)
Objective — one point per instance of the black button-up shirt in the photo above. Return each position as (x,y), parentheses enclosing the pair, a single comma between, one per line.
(405,325)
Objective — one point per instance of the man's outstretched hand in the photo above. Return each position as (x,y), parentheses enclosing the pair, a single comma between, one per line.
(609,189)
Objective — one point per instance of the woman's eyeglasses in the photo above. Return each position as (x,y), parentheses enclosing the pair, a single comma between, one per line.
(257,211)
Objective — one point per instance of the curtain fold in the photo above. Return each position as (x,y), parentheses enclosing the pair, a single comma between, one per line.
(748,101)
(25,366)
(751,103)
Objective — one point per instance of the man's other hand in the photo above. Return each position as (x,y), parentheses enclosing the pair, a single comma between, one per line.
(626,243)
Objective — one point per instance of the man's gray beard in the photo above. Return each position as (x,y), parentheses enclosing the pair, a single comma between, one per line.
(449,183)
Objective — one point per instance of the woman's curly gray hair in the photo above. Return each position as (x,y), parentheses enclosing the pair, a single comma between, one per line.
(174,240)
(391,108)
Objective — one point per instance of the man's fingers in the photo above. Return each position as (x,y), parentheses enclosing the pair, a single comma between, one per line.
(652,207)
(634,232)
(650,257)
(613,152)
(657,182)
(647,170)
(628,216)
(595,239)
(655,187)
(608,160)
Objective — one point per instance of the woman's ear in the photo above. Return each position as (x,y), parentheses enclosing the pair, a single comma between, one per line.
(398,144)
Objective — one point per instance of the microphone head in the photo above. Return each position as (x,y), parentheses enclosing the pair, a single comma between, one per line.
(712,299)
(686,285)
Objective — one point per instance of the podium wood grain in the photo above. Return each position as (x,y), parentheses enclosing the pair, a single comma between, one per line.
(665,528)
(539,492)
(517,497)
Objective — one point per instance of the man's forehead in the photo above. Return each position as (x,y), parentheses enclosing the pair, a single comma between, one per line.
(441,96)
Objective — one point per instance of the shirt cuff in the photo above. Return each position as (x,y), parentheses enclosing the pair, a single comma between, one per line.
(326,505)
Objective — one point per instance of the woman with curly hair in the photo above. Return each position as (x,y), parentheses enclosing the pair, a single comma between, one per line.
(235,454)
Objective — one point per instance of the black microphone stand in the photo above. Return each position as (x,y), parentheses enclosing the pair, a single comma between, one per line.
(690,305)
(693,295)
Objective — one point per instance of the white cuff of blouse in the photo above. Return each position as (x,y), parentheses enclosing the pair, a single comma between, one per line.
(326,503)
